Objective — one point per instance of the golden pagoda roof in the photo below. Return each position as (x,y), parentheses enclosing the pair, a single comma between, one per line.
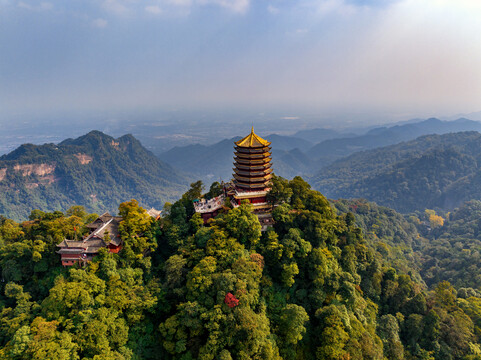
(252,140)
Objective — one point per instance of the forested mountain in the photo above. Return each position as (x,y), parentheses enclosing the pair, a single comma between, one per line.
(297,155)
(453,249)
(95,170)
(339,280)
(430,247)
(312,287)
(436,247)
(327,151)
(319,134)
(214,162)
(435,171)
(390,234)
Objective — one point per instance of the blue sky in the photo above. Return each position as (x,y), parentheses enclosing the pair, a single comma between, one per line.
(404,58)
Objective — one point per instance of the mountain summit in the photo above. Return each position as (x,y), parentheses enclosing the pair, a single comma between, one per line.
(94,170)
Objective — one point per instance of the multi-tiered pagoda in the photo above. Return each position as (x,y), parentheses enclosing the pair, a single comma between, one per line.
(252,181)
(252,172)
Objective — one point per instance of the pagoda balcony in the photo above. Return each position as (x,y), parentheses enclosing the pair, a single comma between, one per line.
(250,180)
(256,206)
(261,167)
(252,173)
(252,156)
(250,186)
(258,162)
(250,194)
(253,151)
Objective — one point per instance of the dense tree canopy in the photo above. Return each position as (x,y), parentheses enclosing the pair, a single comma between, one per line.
(325,282)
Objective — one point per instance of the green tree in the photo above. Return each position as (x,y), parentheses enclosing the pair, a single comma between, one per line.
(243,225)
(388,330)
(134,228)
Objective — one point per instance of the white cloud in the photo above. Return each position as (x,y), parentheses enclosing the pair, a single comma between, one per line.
(43,6)
(99,23)
(180,2)
(116,6)
(23,5)
(335,6)
(153,9)
(239,6)
(128,7)
(297,32)
(273,10)
(46,6)
(466,4)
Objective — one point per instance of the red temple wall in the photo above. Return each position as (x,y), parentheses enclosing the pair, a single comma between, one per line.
(70,256)
(68,262)
(256,200)
(115,249)
(207,216)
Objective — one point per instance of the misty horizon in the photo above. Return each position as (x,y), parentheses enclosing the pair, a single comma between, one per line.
(339,61)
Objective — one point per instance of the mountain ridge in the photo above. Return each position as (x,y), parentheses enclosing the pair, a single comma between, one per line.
(430,171)
(94,170)
(294,155)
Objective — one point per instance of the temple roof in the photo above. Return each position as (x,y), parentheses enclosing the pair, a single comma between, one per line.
(252,140)
(87,246)
(154,213)
(104,224)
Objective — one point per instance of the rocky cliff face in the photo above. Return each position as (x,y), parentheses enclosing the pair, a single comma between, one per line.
(36,169)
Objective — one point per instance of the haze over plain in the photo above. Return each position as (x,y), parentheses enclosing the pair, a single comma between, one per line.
(331,59)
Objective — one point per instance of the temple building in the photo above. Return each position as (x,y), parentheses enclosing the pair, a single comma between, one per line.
(209,208)
(104,233)
(251,180)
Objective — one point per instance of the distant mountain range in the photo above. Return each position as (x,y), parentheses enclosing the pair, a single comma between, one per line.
(433,171)
(319,134)
(94,170)
(308,151)
(327,151)
(214,162)
(99,172)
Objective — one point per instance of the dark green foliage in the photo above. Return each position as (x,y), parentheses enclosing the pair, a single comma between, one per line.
(103,311)
(453,250)
(95,170)
(394,239)
(215,189)
(311,287)
(434,171)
